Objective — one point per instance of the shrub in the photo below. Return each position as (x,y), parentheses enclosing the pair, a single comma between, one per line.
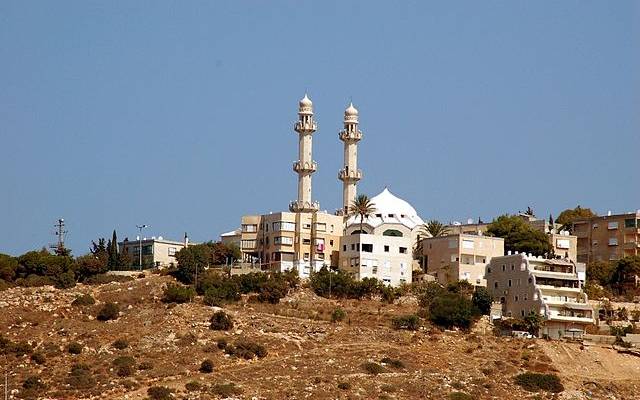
(206,366)
(344,386)
(534,382)
(193,386)
(38,358)
(33,383)
(221,343)
(83,300)
(80,377)
(159,393)
(20,348)
(392,362)
(109,311)
(220,295)
(409,322)
(220,321)
(246,349)
(226,390)
(482,300)
(272,291)
(459,396)
(338,315)
(174,293)
(65,280)
(101,279)
(123,361)
(121,344)
(74,348)
(452,310)
(145,365)
(373,368)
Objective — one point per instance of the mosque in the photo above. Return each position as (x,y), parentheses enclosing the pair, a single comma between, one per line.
(306,238)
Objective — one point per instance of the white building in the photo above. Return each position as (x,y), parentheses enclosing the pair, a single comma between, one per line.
(382,247)
(552,288)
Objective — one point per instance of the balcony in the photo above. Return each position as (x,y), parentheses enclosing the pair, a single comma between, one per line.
(558,289)
(349,175)
(304,206)
(306,166)
(569,318)
(632,245)
(350,136)
(305,127)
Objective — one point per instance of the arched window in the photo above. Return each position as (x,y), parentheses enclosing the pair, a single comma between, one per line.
(358,231)
(392,232)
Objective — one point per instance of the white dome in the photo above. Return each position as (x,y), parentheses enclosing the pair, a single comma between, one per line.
(305,102)
(351,111)
(387,203)
(390,210)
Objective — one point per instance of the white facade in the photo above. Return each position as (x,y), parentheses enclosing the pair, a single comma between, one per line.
(382,247)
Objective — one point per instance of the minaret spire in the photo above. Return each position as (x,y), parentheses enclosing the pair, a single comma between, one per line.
(305,166)
(350,174)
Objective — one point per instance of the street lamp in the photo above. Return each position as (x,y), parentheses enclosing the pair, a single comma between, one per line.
(140,228)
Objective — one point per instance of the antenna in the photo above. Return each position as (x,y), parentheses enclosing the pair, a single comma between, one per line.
(59,248)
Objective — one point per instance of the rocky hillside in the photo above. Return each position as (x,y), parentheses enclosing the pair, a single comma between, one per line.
(53,349)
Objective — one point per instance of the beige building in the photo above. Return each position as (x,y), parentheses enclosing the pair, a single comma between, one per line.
(460,257)
(607,238)
(552,288)
(564,244)
(156,252)
(285,240)
(382,247)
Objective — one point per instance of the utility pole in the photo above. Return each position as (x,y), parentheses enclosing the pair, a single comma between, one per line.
(59,248)
(140,228)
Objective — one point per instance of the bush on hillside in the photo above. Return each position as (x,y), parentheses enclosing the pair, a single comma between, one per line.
(244,348)
(221,321)
(453,310)
(225,390)
(272,291)
(409,322)
(121,344)
(38,358)
(174,293)
(373,368)
(338,315)
(206,366)
(159,393)
(80,377)
(83,300)
(74,348)
(109,311)
(534,382)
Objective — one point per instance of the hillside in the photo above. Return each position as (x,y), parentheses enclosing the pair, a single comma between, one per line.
(308,356)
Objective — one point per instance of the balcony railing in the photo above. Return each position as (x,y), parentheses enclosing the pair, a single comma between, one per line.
(350,136)
(306,127)
(303,206)
(349,175)
(306,166)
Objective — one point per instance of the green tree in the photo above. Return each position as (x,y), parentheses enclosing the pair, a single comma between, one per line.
(453,310)
(362,207)
(482,300)
(626,271)
(433,228)
(533,322)
(190,258)
(519,236)
(112,251)
(569,215)
(601,272)
(8,267)
(89,265)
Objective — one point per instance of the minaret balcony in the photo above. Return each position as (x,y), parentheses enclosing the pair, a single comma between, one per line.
(304,206)
(305,166)
(305,127)
(350,136)
(347,175)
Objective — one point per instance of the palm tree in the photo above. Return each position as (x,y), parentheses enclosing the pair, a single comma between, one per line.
(434,228)
(362,207)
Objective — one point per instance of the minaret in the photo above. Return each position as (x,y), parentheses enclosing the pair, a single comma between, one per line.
(350,174)
(305,166)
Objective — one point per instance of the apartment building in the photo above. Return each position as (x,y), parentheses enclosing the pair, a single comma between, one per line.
(285,240)
(607,238)
(550,287)
(460,257)
(564,244)
(156,252)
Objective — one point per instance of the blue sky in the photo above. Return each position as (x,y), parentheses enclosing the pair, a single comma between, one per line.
(179,114)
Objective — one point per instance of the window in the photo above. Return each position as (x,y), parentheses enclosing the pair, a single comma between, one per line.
(331,242)
(612,225)
(453,244)
(306,226)
(306,241)
(530,280)
(489,270)
(522,313)
(513,267)
(374,270)
(392,232)
(249,228)
(320,256)
(172,251)
(515,298)
(504,268)
(630,223)
(391,215)
(467,244)
(613,241)
(509,282)
(284,226)
(344,247)
(386,249)
(367,247)
(594,226)
(562,243)
(353,246)
(288,241)
(403,250)
(321,227)
(495,285)
(248,244)
(379,215)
